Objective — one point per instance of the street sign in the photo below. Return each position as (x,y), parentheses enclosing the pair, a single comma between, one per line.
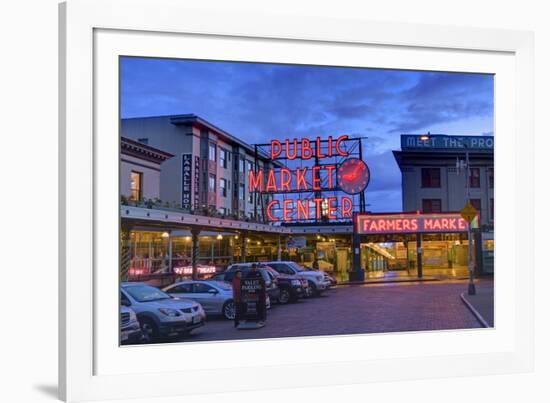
(468,212)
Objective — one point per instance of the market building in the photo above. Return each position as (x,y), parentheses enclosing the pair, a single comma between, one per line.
(208,215)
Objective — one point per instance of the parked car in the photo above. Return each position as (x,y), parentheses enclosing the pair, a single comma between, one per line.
(130,331)
(272,291)
(160,315)
(216,297)
(291,287)
(317,280)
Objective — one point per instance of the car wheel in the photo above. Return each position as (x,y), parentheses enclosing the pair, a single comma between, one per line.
(284,296)
(149,330)
(228,310)
(313,292)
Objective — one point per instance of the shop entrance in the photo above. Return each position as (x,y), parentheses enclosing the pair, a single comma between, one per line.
(443,256)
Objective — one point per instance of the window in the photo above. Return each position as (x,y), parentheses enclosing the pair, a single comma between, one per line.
(224,157)
(431,205)
(241,191)
(124,300)
(211,183)
(476,203)
(223,187)
(181,289)
(136,186)
(250,197)
(212,152)
(202,288)
(492,209)
(491,175)
(474,178)
(241,165)
(249,166)
(431,177)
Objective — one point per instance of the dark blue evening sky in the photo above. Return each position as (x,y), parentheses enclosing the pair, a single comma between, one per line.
(258,102)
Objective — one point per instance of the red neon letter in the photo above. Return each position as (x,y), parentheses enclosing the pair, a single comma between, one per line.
(269,209)
(307,151)
(302,209)
(286,177)
(346,207)
(318,152)
(255,182)
(276,148)
(318,202)
(287,144)
(330,169)
(316,181)
(338,150)
(271,185)
(300,178)
(287,209)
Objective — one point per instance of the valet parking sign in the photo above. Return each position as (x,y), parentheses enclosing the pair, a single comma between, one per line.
(351,176)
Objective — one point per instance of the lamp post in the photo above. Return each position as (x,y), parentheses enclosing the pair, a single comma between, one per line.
(471,285)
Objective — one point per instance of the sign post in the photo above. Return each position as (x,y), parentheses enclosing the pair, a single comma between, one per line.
(469,213)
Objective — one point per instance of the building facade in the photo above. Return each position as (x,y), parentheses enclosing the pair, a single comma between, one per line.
(140,168)
(209,171)
(434,174)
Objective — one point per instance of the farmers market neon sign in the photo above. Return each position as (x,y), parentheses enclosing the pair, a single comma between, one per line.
(351,177)
(372,224)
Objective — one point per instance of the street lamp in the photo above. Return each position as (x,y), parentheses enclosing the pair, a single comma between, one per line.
(471,285)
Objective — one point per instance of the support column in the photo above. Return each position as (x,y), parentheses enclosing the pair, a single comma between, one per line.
(357,273)
(125,256)
(195,251)
(170,253)
(279,247)
(243,248)
(419,254)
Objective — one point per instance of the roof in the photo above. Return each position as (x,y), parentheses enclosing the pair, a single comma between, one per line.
(143,151)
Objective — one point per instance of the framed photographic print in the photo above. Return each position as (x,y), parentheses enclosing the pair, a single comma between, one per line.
(341,202)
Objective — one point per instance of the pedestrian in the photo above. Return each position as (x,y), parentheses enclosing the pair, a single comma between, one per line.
(315,265)
(237,297)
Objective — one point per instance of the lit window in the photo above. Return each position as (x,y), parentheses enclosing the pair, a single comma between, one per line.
(136,185)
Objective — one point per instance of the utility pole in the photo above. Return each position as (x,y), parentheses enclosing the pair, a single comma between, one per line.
(471,285)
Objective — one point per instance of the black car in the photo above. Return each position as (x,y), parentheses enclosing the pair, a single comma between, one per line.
(292,287)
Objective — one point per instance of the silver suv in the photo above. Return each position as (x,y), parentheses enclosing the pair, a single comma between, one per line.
(316,279)
(160,315)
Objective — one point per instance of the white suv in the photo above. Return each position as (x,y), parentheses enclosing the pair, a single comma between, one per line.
(159,314)
(316,279)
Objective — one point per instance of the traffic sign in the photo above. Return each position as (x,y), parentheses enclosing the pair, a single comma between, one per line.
(468,212)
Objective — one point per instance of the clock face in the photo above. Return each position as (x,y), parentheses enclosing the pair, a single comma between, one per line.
(353,176)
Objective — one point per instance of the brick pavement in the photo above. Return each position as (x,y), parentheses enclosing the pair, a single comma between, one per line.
(355,310)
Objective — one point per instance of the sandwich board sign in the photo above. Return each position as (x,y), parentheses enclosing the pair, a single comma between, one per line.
(253,301)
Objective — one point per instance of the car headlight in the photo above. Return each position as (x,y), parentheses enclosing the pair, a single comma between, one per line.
(320,278)
(169,312)
(296,282)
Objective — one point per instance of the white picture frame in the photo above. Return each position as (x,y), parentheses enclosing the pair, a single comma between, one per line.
(94,32)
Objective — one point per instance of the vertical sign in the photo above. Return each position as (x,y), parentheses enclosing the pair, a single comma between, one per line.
(187,167)
(196,180)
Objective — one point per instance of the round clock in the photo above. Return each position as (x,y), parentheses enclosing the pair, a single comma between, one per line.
(353,176)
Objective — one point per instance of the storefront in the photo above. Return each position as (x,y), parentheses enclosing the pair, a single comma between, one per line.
(412,245)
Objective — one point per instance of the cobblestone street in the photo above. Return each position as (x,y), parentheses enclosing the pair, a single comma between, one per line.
(358,309)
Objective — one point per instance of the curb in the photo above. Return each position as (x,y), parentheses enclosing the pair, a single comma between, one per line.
(416,280)
(474,311)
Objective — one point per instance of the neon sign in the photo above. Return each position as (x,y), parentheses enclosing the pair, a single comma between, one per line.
(352,177)
(372,224)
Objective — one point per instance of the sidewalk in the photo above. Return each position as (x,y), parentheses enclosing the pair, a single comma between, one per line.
(481,304)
